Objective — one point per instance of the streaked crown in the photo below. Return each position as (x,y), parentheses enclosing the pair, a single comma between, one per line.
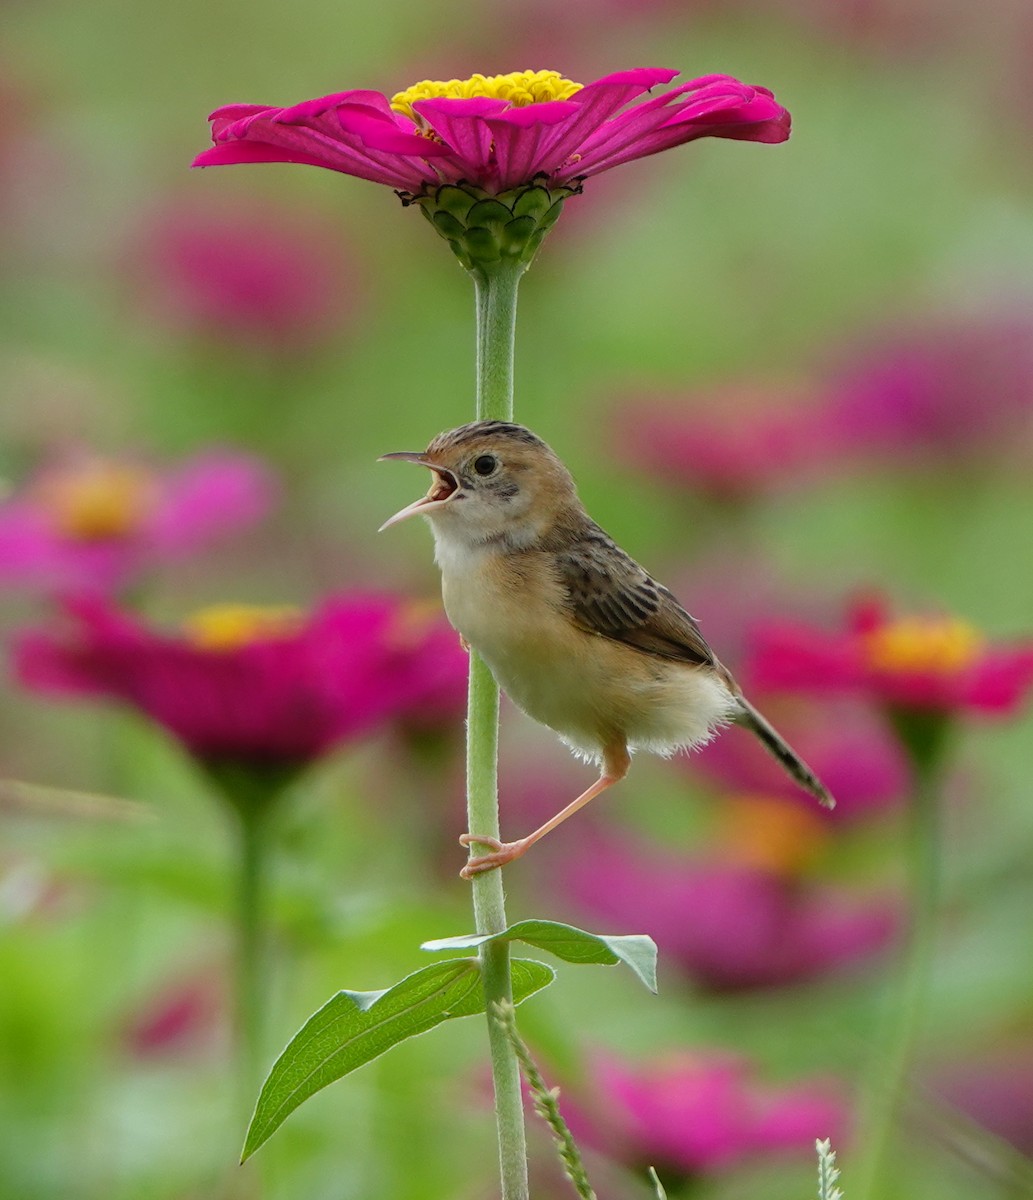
(516,477)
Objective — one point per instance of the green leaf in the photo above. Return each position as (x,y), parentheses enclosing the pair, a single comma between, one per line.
(658,1187)
(573,945)
(354,1027)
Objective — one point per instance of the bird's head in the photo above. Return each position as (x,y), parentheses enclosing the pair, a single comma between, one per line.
(493,481)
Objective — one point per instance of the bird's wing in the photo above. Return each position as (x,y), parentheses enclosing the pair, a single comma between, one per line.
(611,595)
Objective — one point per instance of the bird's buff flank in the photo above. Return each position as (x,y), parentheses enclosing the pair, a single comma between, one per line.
(574,630)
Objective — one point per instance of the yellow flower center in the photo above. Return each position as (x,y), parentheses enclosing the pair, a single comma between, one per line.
(413,620)
(231,626)
(96,500)
(770,834)
(519,88)
(939,646)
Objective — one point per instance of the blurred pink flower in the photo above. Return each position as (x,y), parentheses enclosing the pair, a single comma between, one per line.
(88,524)
(250,685)
(995,1090)
(697,1114)
(495,133)
(730,924)
(255,278)
(180,1017)
(435,683)
(938,664)
(731,444)
(947,389)
(846,745)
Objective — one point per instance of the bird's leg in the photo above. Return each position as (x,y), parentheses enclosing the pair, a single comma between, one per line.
(616,761)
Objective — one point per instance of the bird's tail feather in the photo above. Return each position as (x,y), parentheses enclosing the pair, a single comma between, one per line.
(776,745)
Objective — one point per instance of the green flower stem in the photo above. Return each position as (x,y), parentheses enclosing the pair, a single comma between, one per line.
(546,1105)
(496,293)
(251,794)
(924,741)
(252,878)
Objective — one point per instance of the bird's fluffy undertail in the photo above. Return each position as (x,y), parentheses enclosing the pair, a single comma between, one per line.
(786,755)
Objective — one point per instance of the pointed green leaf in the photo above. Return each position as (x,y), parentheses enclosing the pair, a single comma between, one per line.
(573,945)
(354,1027)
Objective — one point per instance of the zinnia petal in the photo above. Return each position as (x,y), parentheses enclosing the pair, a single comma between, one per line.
(489,142)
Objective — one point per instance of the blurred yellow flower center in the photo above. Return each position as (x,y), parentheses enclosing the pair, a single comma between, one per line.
(413,621)
(96,500)
(230,626)
(519,88)
(770,833)
(940,646)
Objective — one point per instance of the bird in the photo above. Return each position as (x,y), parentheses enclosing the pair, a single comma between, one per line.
(574,630)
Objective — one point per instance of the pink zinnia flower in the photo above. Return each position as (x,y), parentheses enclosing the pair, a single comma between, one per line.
(179,1018)
(496,133)
(944,390)
(253,278)
(255,685)
(731,444)
(697,1114)
(743,920)
(88,524)
(937,664)
(994,1089)
(845,743)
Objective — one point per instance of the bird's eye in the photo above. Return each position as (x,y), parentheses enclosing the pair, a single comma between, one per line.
(485,464)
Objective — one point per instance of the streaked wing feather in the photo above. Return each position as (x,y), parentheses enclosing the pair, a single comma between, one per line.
(611,595)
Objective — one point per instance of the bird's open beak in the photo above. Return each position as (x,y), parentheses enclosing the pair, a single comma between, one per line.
(444,487)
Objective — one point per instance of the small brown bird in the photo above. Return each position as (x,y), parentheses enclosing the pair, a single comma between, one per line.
(574,630)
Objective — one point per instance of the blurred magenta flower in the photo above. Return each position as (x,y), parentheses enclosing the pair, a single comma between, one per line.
(927,663)
(745,918)
(699,1114)
(182,1016)
(253,685)
(498,132)
(995,1089)
(845,743)
(731,444)
(254,278)
(951,388)
(90,524)
(435,693)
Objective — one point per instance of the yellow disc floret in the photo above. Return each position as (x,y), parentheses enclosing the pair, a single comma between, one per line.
(518,88)
(413,621)
(770,834)
(231,626)
(938,646)
(96,500)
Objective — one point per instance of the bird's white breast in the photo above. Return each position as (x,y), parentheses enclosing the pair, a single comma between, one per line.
(511,609)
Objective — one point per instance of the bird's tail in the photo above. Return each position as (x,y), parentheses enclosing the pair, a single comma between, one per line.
(786,755)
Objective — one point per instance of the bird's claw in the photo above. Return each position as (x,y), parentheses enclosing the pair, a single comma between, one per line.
(501,853)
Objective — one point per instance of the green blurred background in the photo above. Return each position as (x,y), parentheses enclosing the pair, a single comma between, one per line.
(902,201)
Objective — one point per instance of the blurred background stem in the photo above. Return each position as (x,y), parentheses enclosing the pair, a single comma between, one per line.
(251,794)
(251,984)
(496,294)
(923,737)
